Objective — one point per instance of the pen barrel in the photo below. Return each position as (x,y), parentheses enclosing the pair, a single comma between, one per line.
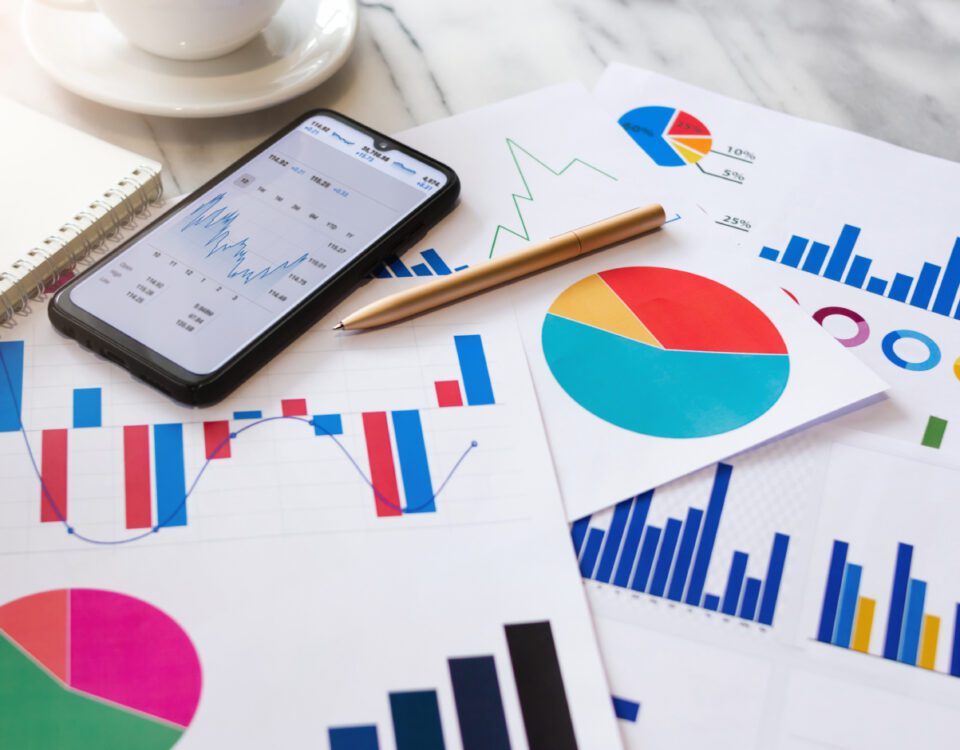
(621,227)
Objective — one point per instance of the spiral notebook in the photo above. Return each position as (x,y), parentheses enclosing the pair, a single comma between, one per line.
(65,196)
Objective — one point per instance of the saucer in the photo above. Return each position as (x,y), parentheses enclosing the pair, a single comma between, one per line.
(303,45)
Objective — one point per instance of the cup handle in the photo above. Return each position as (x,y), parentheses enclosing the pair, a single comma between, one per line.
(87,5)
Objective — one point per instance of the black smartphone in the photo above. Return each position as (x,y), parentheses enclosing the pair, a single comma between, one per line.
(199,300)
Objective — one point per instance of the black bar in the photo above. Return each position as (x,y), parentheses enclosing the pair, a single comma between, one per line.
(476,691)
(543,699)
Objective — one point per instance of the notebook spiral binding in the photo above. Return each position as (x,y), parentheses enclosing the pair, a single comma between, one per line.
(88,233)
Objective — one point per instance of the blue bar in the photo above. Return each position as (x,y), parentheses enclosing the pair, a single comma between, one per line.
(476,691)
(831,593)
(701,563)
(876,285)
(661,571)
(416,720)
(841,252)
(171,478)
(590,552)
(849,591)
(926,281)
(87,407)
(397,266)
(947,295)
(955,654)
(751,593)
(381,272)
(473,369)
(768,253)
(641,507)
(625,710)
(460,268)
(327,424)
(238,415)
(647,552)
(794,251)
(711,602)
(771,587)
(738,567)
(578,531)
(614,536)
(414,468)
(858,271)
(898,600)
(420,269)
(688,540)
(354,738)
(814,262)
(900,287)
(11,385)
(913,622)
(436,262)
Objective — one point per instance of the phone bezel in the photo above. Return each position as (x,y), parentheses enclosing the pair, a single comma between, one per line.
(203,389)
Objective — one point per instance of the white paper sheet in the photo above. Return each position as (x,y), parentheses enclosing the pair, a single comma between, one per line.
(542,164)
(307,609)
(768,177)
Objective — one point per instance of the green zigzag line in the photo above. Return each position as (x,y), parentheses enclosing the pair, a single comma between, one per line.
(524,234)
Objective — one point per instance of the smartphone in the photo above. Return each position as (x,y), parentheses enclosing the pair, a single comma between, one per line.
(199,300)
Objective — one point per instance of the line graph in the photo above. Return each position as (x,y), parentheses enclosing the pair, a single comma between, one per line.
(527,195)
(215,216)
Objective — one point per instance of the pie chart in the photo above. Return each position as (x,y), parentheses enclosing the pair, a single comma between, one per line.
(665,353)
(671,137)
(85,669)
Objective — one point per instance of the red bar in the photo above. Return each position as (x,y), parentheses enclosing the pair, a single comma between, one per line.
(294,407)
(136,476)
(383,473)
(448,393)
(216,439)
(53,470)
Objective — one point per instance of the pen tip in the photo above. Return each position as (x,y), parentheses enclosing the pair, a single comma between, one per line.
(338,326)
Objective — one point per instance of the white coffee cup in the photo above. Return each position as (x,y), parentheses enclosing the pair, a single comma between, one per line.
(182,29)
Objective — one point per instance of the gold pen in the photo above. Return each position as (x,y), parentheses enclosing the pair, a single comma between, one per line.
(492,273)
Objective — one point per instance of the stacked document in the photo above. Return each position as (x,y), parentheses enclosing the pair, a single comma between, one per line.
(673,494)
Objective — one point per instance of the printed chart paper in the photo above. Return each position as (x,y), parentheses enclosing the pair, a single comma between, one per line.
(363,547)
(864,234)
(799,596)
(652,359)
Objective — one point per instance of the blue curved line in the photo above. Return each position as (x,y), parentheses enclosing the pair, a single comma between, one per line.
(48,498)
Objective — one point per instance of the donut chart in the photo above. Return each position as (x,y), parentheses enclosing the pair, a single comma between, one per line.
(86,669)
(665,353)
(669,136)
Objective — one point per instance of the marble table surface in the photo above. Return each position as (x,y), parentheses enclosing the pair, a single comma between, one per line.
(887,68)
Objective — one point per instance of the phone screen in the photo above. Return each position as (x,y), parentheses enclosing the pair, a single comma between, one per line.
(222,269)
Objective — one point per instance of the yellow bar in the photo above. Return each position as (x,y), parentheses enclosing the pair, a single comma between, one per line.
(863,624)
(928,643)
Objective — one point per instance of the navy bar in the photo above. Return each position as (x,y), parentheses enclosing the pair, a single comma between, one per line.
(625,710)
(771,586)
(421,269)
(590,552)
(362,737)
(898,601)
(476,691)
(831,593)
(858,271)
(578,531)
(947,294)
(416,720)
(926,281)
(436,262)
(794,251)
(397,266)
(688,540)
(900,287)
(876,285)
(738,567)
(711,602)
(841,252)
(711,523)
(614,536)
(647,552)
(661,572)
(955,655)
(381,272)
(641,506)
(751,593)
(814,262)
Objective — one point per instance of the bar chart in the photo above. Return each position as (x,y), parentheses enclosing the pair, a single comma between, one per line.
(672,560)
(481,720)
(161,468)
(431,265)
(934,287)
(912,635)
